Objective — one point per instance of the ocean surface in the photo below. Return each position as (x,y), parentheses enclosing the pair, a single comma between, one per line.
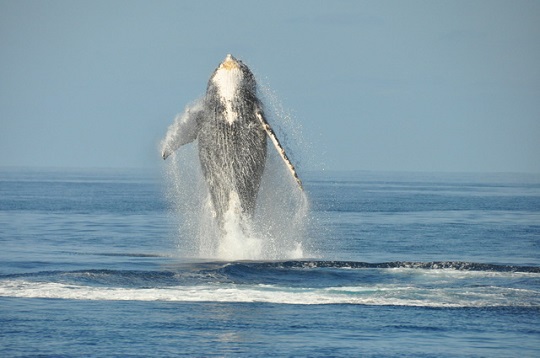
(93,263)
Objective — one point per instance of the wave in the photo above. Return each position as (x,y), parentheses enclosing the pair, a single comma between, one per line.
(425,284)
(434,265)
(376,296)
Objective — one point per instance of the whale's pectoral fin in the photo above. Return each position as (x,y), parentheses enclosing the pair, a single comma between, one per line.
(278,146)
(184,130)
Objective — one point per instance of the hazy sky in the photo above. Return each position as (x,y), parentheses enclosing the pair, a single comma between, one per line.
(375,85)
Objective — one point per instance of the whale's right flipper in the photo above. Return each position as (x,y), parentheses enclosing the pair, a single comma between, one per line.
(184,130)
(278,146)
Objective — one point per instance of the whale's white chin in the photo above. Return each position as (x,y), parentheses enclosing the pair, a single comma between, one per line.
(227,82)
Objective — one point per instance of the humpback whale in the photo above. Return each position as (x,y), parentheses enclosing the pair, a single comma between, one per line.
(231,129)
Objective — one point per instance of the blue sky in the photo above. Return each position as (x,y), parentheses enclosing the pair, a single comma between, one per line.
(375,85)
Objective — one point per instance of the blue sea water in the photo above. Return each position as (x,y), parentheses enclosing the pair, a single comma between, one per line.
(395,264)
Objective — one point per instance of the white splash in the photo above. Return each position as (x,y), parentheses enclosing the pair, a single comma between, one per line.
(239,241)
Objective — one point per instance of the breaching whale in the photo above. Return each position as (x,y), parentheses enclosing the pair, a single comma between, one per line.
(231,129)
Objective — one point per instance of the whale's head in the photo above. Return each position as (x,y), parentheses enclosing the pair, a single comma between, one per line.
(232,76)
